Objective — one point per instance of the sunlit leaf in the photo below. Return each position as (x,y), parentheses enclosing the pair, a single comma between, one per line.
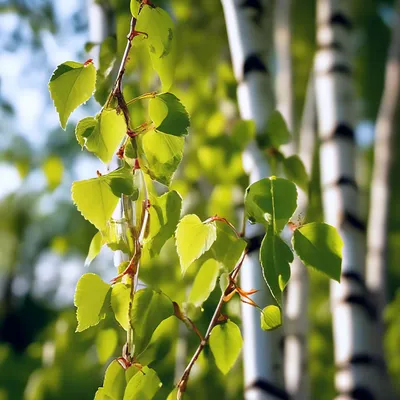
(161,41)
(114,382)
(149,309)
(102,135)
(275,257)
(143,386)
(271,201)
(94,249)
(204,282)
(169,115)
(120,298)
(319,246)
(164,217)
(193,238)
(90,295)
(225,344)
(160,155)
(271,318)
(106,343)
(71,85)
(296,172)
(97,198)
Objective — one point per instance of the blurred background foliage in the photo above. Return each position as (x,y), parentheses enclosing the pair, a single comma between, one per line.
(44,240)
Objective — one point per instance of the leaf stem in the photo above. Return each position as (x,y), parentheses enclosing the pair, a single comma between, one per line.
(150,95)
(225,221)
(214,321)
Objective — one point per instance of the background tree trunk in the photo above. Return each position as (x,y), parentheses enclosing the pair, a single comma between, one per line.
(249,44)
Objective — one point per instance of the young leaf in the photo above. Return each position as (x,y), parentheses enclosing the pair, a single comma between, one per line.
(226,343)
(114,382)
(319,246)
(90,295)
(193,238)
(160,155)
(161,41)
(149,309)
(204,282)
(143,386)
(102,135)
(120,298)
(271,201)
(101,395)
(164,217)
(275,257)
(94,249)
(296,172)
(106,343)
(71,85)
(227,248)
(277,131)
(135,4)
(97,198)
(243,132)
(169,115)
(271,318)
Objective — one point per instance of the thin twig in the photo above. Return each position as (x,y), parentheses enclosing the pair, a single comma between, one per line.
(214,321)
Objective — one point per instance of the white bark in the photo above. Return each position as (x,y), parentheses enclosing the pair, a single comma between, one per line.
(249,43)
(377,235)
(359,370)
(296,311)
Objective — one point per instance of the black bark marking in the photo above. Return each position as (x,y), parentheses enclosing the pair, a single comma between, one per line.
(255,4)
(268,387)
(254,243)
(254,63)
(362,302)
(341,19)
(354,221)
(342,131)
(355,277)
(343,181)
(337,69)
(361,359)
(331,46)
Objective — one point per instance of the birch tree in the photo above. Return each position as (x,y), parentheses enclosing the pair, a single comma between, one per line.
(377,235)
(246,26)
(358,369)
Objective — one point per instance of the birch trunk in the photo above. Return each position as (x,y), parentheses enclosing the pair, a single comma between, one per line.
(296,311)
(358,368)
(377,235)
(248,40)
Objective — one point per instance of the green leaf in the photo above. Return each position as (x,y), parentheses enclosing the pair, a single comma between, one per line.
(226,343)
(227,248)
(277,132)
(102,135)
(114,381)
(90,295)
(120,298)
(271,318)
(243,132)
(296,172)
(275,257)
(271,201)
(106,343)
(53,169)
(169,115)
(224,281)
(149,309)
(204,282)
(101,395)
(160,155)
(143,385)
(107,56)
(164,217)
(97,198)
(135,4)
(193,238)
(320,246)
(94,249)
(161,41)
(71,85)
